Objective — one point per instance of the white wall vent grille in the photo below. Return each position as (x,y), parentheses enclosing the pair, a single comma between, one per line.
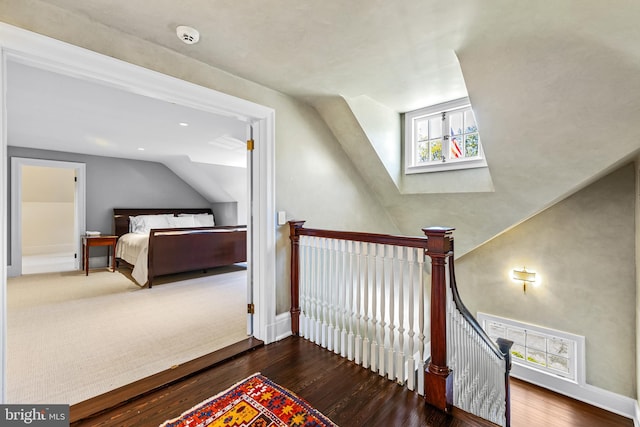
(545,350)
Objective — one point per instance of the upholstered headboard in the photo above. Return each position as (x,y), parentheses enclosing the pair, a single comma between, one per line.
(121,216)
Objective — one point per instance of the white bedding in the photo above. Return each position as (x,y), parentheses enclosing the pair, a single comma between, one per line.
(134,248)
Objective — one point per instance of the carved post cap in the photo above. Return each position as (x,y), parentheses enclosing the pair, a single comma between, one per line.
(294,226)
(505,348)
(439,239)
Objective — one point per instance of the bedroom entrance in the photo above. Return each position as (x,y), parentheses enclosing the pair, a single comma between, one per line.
(48,201)
(32,50)
(81,303)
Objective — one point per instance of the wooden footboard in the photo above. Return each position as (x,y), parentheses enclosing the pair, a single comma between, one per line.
(181,250)
(178,250)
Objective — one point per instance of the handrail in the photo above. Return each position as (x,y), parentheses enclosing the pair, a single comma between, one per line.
(383,239)
(473,322)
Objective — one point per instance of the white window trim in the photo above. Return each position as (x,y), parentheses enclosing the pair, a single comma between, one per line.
(409,149)
(578,355)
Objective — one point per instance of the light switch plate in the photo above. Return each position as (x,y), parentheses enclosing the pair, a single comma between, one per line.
(282,217)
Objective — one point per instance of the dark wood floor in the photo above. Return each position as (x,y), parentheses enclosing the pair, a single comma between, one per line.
(343,391)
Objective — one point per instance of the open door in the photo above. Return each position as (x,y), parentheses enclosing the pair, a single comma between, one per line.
(48,215)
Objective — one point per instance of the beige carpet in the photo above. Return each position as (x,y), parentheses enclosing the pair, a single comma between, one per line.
(72,337)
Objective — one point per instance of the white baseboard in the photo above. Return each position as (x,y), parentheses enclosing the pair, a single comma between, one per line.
(610,401)
(282,327)
(13,271)
(63,248)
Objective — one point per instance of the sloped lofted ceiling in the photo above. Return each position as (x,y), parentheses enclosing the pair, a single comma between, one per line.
(79,116)
(554,86)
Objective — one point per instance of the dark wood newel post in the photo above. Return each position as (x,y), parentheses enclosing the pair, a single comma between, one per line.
(294,226)
(438,380)
(505,348)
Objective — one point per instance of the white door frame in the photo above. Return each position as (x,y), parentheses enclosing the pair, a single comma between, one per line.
(36,50)
(15,268)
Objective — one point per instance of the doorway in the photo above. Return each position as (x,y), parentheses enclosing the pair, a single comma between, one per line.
(30,48)
(48,215)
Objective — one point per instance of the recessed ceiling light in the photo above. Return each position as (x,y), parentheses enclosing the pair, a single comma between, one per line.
(183,124)
(140,149)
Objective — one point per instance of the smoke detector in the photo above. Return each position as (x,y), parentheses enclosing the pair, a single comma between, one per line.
(187,34)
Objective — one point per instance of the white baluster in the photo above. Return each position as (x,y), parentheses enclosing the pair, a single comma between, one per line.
(303,285)
(411,382)
(315,301)
(325,293)
(382,362)
(309,284)
(400,354)
(352,283)
(421,343)
(344,305)
(374,309)
(334,300)
(329,297)
(365,342)
(391,352)
(320,290)
(358,352)
(338,300)
(315,286)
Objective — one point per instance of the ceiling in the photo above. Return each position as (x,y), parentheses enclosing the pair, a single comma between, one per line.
(74,115)
(311,49)
(403,54)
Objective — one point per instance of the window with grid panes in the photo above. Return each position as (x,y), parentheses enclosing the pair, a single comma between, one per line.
(442,137)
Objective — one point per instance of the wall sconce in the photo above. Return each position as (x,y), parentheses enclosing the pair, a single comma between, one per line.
(525,276)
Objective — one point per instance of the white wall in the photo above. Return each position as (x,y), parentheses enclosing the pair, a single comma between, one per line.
(637,298)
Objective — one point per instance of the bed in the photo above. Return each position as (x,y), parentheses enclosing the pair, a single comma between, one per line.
(157,242)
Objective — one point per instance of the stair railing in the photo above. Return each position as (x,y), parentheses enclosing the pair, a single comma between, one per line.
(364,296)
(481,367)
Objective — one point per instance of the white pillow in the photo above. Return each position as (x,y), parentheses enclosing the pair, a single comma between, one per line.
(204,220)
(182,221)
(201,220)
(141,224)
(135,224)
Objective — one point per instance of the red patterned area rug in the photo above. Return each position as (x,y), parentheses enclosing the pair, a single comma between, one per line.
(256,402)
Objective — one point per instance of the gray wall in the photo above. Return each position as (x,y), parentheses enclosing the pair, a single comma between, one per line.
(583,249)
(119,183)
(226,213)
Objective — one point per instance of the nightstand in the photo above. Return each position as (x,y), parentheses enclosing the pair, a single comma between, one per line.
(89,241)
